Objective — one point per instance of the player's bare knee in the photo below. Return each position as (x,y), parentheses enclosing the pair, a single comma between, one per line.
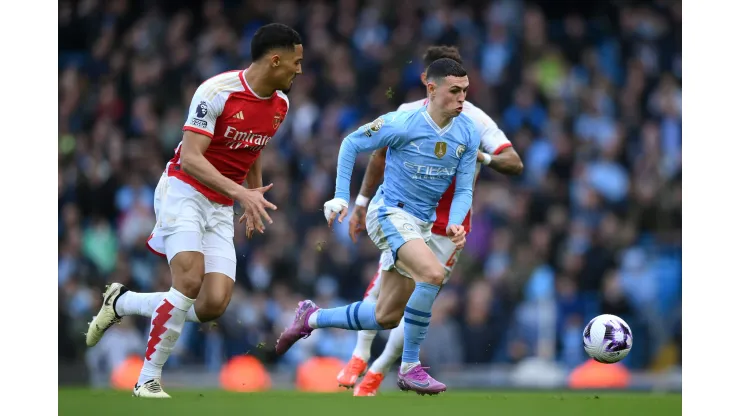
(433,274)
(210,309)
(187,273)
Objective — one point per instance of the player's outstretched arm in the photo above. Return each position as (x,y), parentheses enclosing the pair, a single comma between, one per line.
(506,161)
(370,182)
(383,132)
(496,150)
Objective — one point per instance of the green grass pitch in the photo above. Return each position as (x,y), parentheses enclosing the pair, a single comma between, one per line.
(455,403)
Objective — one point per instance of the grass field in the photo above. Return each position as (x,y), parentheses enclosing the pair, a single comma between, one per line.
(458,403)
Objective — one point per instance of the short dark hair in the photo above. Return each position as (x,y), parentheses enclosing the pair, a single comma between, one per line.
(438,52)
(273,36)
(445,67)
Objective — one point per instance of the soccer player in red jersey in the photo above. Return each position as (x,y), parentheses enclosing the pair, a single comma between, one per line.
(232,117)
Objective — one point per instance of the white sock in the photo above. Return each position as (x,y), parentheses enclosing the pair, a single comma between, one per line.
(313,320)
(405,367)
(364,342)
(167,323)
(144,304)
(393,349)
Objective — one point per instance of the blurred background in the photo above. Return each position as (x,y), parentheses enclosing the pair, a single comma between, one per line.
(589,93)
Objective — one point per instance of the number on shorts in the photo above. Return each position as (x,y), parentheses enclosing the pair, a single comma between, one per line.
(451,260)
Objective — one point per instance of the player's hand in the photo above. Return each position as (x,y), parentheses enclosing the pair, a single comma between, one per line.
(357,221)
(255,209)
(334,207)
(457,235)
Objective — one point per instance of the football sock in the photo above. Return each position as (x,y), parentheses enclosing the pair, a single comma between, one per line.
(393,350)
(416,319)
(357,316)
(168,320)
(364,342)
(143,304)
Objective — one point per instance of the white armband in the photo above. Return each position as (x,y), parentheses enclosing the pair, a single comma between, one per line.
(362,200)
(486,159)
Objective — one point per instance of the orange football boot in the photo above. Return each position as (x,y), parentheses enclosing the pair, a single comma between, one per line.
(369,384)
(354,369)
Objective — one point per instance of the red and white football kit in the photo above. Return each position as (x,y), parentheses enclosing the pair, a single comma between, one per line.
(492,140)
(190,216)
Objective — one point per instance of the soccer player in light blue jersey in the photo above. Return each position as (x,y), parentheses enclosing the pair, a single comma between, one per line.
(427,147)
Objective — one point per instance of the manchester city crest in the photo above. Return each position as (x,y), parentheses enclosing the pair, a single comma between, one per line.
(460,150)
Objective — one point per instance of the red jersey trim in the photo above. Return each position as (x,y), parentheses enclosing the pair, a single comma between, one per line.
(501,148)
(243,80)
(199,131)
(153,250)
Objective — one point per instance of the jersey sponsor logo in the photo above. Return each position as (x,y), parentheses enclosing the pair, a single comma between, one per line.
(429,172)
(242,140)
(201,124)
(460,150)
(201,110)
(440,149)
(373,127)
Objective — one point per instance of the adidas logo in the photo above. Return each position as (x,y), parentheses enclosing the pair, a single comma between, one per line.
(238,115)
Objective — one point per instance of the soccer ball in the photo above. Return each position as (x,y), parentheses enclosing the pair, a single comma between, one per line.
(607,339)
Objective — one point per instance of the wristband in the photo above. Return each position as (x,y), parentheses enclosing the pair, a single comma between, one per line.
(361,200)
(486,159)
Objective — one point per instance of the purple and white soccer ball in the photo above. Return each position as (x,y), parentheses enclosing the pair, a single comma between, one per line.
(607,339)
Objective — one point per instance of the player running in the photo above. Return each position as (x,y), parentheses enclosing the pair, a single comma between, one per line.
(232,118)
(495,152)
(427,148)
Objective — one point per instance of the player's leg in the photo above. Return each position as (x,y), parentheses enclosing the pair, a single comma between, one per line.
(129,303)
(355,368)
(365,337)
(447,254)
(118,301)
(360,315)
(417,259)
(187,267)
(182,215)
(220,266)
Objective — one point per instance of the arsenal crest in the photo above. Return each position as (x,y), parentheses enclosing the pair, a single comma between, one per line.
(277,120)
(440,149)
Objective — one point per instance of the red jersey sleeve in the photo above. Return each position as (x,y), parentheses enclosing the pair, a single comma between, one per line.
(206,106)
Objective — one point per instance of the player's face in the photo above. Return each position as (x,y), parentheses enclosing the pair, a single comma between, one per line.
(288,67)
(450,94)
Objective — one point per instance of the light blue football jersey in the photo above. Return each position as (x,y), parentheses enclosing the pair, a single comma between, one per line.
(421,161)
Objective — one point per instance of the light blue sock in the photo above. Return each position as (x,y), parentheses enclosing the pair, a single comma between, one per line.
(357,316)
(416,320)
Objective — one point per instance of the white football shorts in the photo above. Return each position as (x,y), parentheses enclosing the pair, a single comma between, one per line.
(188,221)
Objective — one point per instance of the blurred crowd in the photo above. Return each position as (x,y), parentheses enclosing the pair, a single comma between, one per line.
(588,92)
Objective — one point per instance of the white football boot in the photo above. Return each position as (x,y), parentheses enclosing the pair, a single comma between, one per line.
(152,389)
(106,317)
